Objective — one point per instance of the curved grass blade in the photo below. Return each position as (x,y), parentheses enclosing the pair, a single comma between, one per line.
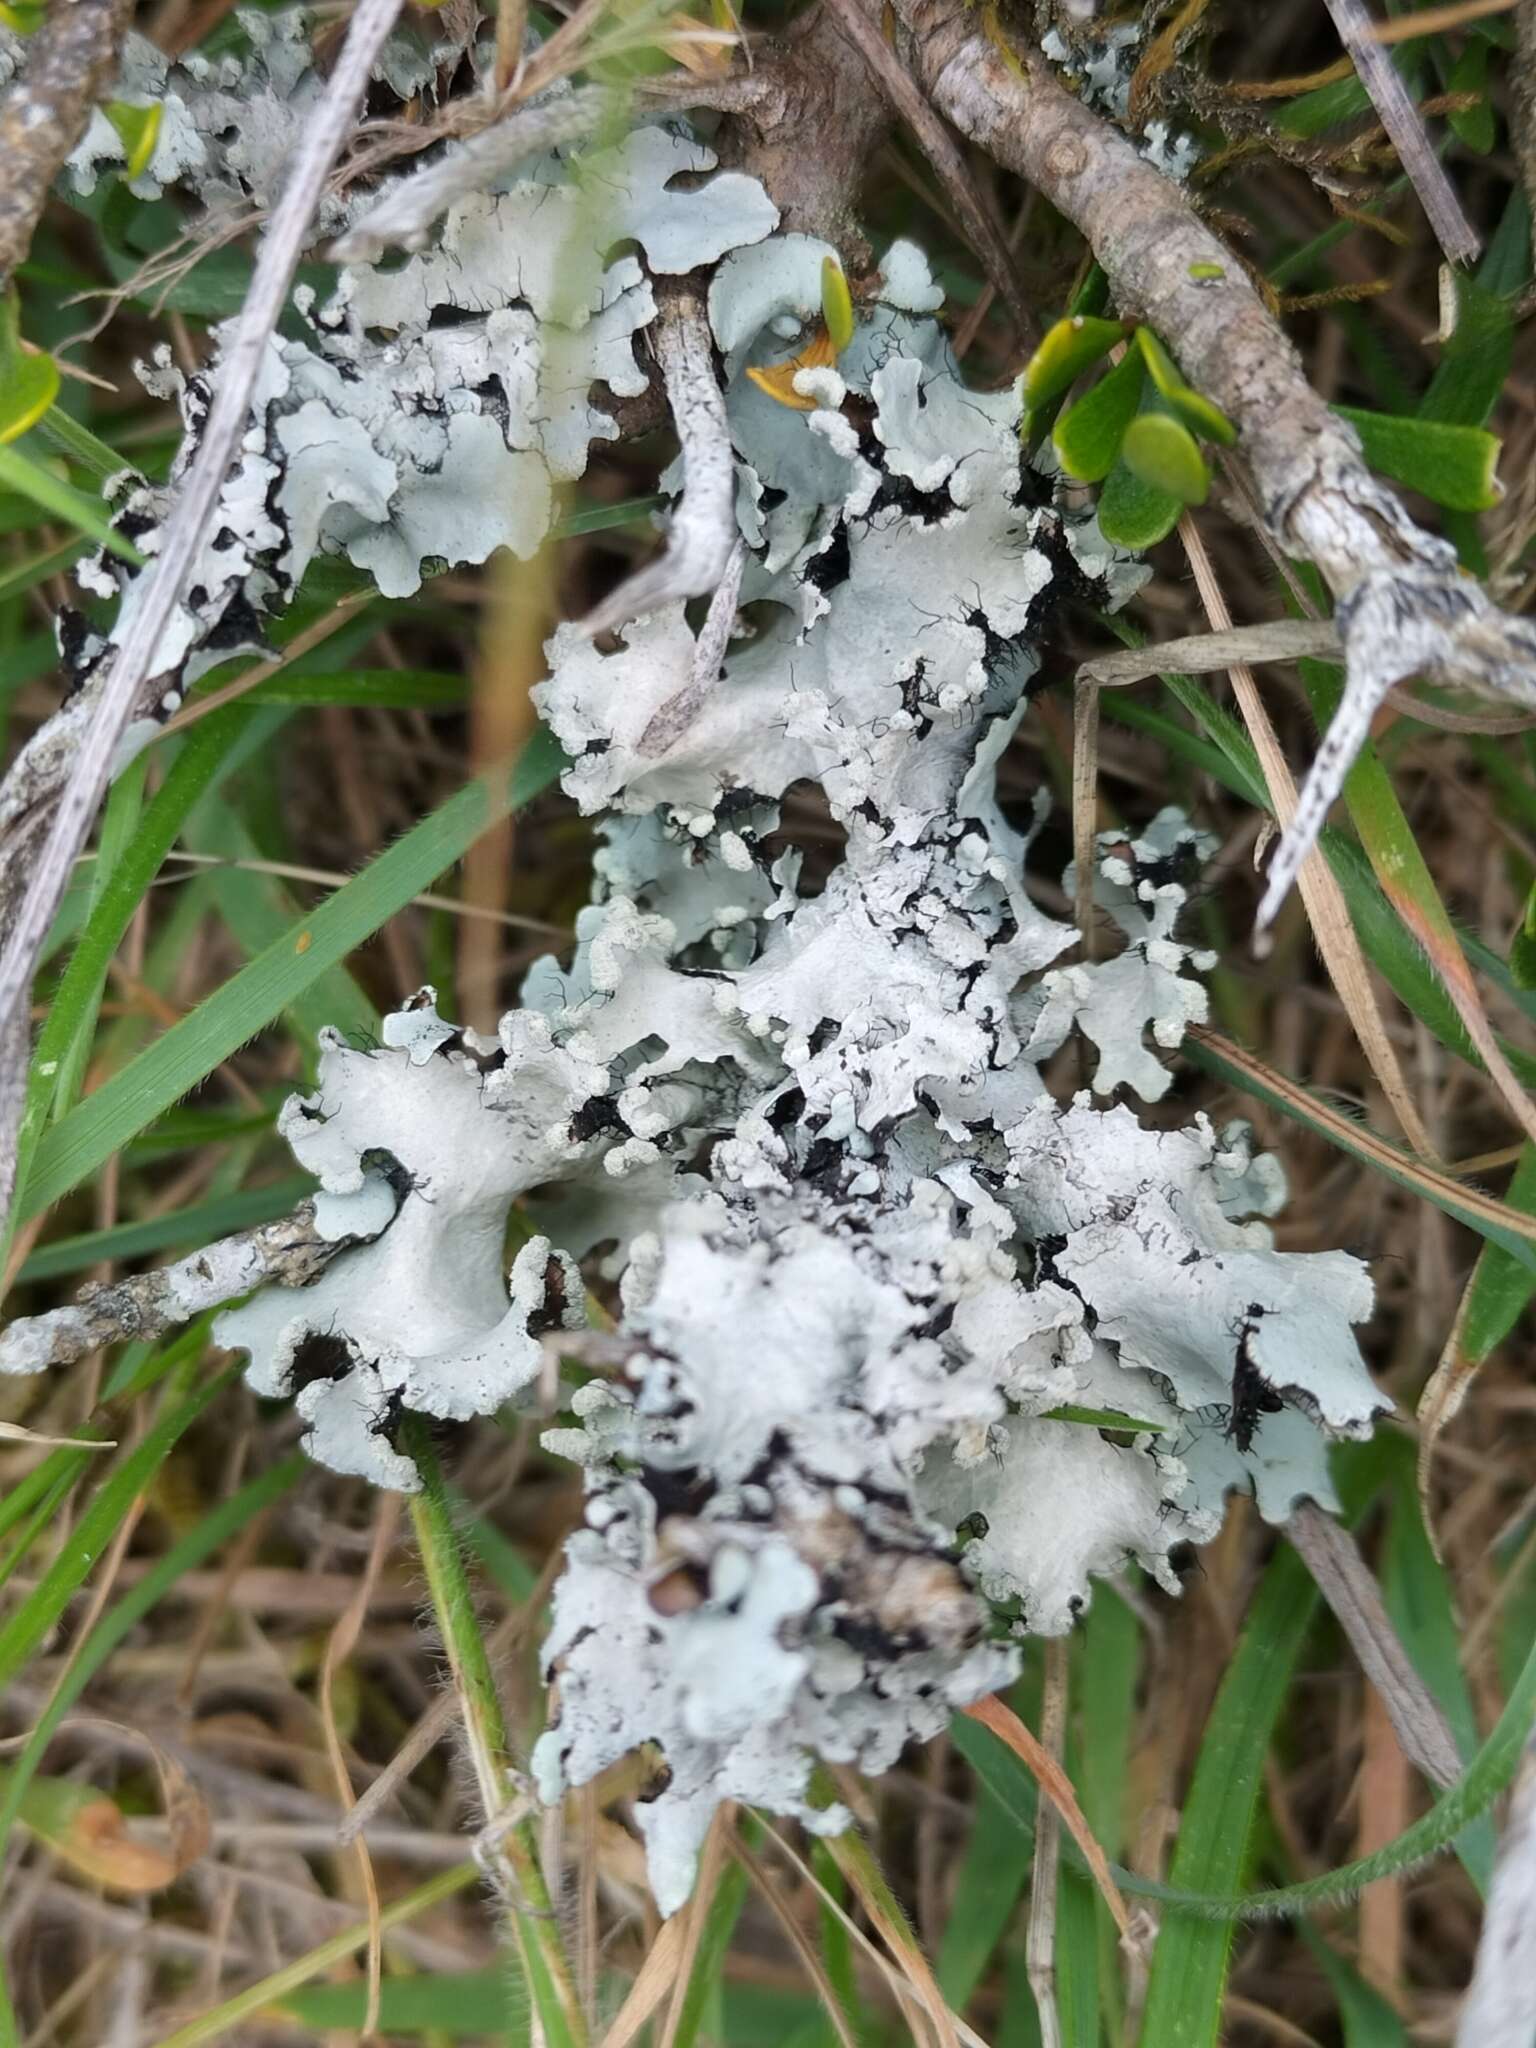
(45,1604)
(1189,1964)
(251,999)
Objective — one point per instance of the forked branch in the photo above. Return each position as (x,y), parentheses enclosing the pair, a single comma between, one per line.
(1402,605)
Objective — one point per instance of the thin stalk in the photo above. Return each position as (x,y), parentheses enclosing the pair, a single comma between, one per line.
(508,1851)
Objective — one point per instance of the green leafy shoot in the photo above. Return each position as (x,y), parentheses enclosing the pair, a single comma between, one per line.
(1134,513)
(836,303)
(138,130)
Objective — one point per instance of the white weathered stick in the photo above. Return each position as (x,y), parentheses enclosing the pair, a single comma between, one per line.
(288,1252)
(1500,2010)
(703,528)
(1405,125)
(672,719)
(152,600)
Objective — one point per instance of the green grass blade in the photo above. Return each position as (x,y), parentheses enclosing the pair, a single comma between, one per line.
(534,1923)
(1418,1597)
(991,1881)
(478,2005)
(60,500)
(25,1628)
(195,1226)
(271,1990)
(251,999)
(1189,1964)
(210,752)
(1369,2022)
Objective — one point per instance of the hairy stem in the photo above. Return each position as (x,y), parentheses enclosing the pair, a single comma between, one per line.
(509,1852)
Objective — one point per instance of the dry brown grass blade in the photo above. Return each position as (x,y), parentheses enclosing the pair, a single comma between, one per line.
(519,606)
(1161,52)
(260,671)
(654,1979)
(1196,654)
(1085,805)
(1057,1787)
(1384,1811)
(1358,1138)
(1432,21)
(1345,1582)
(855,1860)
(94,1839)
(696,1914)
(1405,125)
(797,1938)
(909,1994)
(1321,894)
(1450,964)
(1444,1392)
(943,152)
(339,1647)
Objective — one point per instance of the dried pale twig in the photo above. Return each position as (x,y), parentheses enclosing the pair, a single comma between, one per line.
(672,719)
(403,216)
(289,1251)
(1345,1582)
(69,59)
(1405,125)
(79,780)
(1500,2010)
(1324,899)
(703,528)
(1402,605)
(1198,653)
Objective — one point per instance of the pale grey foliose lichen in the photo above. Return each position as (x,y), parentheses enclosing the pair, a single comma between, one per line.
(913,1344)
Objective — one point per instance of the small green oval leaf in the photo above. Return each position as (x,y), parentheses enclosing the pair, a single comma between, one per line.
(836,303)
(1161,451)
(21,19)
(1134,514)
(138,129)
(1197,412)
(1072,346)
(1087,437)
(1452,465)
